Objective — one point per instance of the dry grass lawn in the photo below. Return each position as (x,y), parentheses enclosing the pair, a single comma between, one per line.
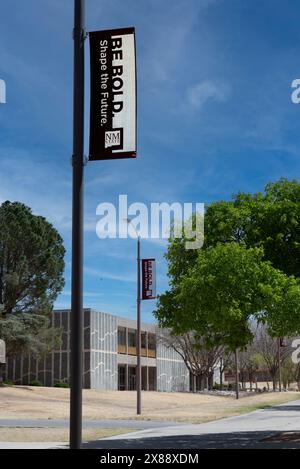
(22,402)
(61,435)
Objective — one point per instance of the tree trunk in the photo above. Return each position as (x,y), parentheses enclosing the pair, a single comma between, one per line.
(211,381)
(242,377)
(206,382)
(279,366)
(200,383)
(237,384)
(221,379)
(194,384)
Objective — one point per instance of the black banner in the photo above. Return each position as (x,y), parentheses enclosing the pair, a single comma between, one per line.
(149,279)
(113,94)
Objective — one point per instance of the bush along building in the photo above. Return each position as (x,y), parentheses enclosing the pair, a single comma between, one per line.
(109,357)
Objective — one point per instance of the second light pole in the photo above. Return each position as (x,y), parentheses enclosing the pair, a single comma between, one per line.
(138,308)
(138,327)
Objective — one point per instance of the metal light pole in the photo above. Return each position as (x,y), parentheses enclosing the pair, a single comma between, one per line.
(279,366)
(221,373)
(76,364)
(237,381)
(138,331)
(1,284)
(139,367)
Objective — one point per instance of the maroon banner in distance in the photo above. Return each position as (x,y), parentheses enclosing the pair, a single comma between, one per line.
(148,279)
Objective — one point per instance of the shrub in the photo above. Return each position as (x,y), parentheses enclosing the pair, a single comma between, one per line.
(217,387)
(35,382)
(61,384)
(8,382)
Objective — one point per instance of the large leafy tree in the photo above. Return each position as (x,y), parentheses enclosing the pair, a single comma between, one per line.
(270,220)
(227,286)
(31,276)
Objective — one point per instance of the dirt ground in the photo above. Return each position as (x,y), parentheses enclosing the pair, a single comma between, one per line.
(20,402)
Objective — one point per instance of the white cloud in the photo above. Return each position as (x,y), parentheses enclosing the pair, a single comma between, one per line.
(36,181)
(200,93)
(2,92)
(162,32)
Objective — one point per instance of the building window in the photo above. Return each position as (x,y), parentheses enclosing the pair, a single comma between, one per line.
(131,342)
(122,377)
(144,344)
(144,378)
(121,339)
(152,378)
(132,378)
(151,345)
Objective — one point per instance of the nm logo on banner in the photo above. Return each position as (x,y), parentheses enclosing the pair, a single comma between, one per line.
(114,138)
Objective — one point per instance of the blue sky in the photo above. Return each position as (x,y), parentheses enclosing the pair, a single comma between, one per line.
(215,117)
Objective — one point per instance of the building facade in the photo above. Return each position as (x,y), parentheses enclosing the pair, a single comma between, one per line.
(109,357)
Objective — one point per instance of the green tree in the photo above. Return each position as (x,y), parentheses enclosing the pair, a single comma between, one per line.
(31,276)
(270,220)
(228,285)
(214,298)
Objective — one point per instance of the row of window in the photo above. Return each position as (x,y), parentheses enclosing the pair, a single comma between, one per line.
(127,342)
(127,378)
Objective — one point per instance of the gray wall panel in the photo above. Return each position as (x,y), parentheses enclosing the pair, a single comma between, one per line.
(172,374)
(104,366)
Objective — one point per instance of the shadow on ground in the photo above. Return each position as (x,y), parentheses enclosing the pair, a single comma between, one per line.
(284,408)
(238,440)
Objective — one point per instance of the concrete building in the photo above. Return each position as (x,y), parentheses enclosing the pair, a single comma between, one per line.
(109,357)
